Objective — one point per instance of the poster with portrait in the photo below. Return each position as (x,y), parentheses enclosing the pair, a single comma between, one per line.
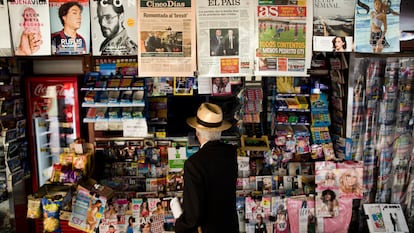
(333,25)
(377,26)
(5,41)
(114,27)
(30,27)
(69,27)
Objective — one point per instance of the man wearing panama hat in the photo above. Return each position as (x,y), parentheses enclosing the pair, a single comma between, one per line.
(209,198)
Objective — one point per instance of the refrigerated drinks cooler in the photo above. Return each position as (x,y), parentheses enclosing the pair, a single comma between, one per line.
(54,122)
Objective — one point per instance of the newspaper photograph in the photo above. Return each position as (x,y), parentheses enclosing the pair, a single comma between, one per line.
(225,46)
(283,34)
(166,33)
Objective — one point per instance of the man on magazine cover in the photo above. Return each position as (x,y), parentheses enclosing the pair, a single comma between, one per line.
(111,19)
(67,40)
(210,174)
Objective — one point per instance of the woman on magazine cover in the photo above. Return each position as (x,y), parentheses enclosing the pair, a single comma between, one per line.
(378,27)
(260,226)
(349,184)
(91,220)
(339,44)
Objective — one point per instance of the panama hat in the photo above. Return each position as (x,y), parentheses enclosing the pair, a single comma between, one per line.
(209,117)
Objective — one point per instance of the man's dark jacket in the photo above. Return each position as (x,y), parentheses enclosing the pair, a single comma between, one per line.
(210,190)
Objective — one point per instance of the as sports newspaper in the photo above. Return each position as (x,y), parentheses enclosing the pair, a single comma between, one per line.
(283,38)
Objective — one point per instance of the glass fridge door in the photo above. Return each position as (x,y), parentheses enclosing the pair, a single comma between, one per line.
(54,112)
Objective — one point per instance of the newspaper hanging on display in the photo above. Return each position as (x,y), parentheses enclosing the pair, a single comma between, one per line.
(30,27)
(224,43)
(283,33)
(5,41)
(114,27)
(167,38)
(333,25)
(377,26)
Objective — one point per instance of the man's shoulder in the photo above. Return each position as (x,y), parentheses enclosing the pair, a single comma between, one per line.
(57,34)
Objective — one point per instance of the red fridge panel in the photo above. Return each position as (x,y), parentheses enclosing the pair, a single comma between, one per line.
(53,116)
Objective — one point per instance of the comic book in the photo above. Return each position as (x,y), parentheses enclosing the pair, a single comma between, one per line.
(113,40)
(29,22)
(5,42)
(331,20)
(77,18)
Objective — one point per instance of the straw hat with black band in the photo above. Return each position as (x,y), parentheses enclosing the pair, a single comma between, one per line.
(209,117)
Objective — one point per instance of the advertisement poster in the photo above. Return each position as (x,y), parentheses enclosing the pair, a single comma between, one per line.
(225,46)
(114,27)
(377,26)
(283,33)
(30,27)
(5,40)
(167,38)
(70,27)
(333,25)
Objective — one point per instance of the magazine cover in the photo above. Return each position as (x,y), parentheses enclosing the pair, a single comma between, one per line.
(87,211)
(30,27)
(377,26)
(283,38)
(108,226)
(114,27)
(69,27)
(176,158)
(183,85)
(5,40)
(350,179)
(333,25)
(279,209)
(394,218)
(326,202)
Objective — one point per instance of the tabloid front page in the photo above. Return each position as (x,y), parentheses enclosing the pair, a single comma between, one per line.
(167,38)
(284,31)
(225,45)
